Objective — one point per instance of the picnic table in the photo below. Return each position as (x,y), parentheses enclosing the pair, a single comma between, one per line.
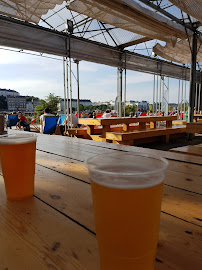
(129,130)
(55,229)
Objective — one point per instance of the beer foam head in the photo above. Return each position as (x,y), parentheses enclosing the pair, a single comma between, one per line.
(126,170)
(17,138)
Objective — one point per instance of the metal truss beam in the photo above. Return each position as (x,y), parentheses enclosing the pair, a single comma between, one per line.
(167,14)
(26,36)
(135,42)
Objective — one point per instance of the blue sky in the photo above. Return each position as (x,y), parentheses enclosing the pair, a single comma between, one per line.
(39,76)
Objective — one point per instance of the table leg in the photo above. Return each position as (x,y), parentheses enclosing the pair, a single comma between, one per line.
(168,124)
(142,125)
(152,124)
(90,130)
(125,127)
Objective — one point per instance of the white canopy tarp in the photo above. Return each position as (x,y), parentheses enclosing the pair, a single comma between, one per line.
(28,10)
(129,15)
(191,7)
(180,53)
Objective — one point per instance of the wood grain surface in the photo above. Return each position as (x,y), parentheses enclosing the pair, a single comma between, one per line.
(55,229)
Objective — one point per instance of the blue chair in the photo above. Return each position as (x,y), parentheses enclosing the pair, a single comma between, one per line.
(12,120)
(50,124)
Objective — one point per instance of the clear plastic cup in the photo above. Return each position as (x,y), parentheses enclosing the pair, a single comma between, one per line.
(127,193)
(17,158)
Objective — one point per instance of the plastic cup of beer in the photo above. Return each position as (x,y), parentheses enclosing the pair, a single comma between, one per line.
(17,158)
(127,193)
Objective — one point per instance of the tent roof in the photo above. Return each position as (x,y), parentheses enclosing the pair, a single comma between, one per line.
(118,23)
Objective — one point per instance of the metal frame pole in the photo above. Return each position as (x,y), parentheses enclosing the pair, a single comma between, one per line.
(192,91)
(70,89)
(160,90)
(67,86)
(178,107)
(65,113)
(168,87)
(78,90)
(185,88)
(157,89)
(199,98)
(182,90)
(154,93)
(118,98)
(120,91)
(125,95)
(125,89)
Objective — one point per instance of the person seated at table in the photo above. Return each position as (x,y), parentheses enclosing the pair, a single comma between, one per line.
(47,112)
(84,115)
(106,114)
(74,123)
(90,115)
(23,122)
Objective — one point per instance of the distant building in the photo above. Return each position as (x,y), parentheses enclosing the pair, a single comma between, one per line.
(173,106)
(5,92)
(16,103)
(84,102)
(143,105)
(108,103)
(31,105)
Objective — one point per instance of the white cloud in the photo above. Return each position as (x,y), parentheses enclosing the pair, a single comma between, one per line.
(138,77)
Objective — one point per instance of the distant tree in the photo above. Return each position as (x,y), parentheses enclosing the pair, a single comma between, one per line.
(81,107)
(128,110)
(150,107)
(51,102)
(30,98)
(40,108)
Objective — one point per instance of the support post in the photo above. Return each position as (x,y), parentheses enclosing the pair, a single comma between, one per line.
(65,106)
(154,95)
(120,90)
(125,95)
(78,90)
(67,86)
(192,91)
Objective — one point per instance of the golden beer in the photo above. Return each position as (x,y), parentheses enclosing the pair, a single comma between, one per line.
(18,166)
(127,216)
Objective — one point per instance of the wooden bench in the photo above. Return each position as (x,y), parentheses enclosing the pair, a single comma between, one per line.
(134,137)
(126,124)
(83,132)
(179,123)
(195,127)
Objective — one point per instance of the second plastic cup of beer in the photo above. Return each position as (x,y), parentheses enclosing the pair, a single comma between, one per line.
(127,192)
(17,157)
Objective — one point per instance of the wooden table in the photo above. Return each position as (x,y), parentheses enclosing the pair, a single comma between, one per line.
(195,150)
(197,117)
(55,229)
(128,124)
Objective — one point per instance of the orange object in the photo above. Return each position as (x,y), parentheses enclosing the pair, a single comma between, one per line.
(124,218)
(18,168)
(127,192)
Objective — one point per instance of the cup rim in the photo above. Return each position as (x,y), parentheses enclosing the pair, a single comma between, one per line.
(17,138)
(128,174)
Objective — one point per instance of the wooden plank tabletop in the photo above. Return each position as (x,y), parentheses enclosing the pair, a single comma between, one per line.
(126,120)
(195,150)
(55,229)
